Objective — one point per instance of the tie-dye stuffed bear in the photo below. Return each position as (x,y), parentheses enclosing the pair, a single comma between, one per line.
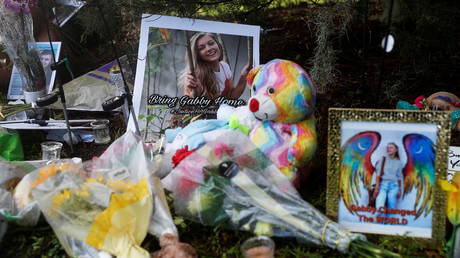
(283,100)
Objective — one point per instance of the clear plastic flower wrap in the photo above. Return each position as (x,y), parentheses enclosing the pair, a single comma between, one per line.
(16,203)
(108,203)
(230,182)
(16,34)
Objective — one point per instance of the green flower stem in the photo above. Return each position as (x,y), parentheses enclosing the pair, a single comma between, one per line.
(361,248)
(452,244)
(9,110)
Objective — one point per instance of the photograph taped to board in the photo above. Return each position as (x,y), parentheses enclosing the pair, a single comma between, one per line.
(46,58)
(189,67)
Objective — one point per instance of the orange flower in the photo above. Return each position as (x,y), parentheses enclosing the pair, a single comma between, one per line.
(49,171)
(164,34)
(453,198)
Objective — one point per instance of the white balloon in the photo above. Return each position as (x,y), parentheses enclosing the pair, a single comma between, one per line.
(390,43)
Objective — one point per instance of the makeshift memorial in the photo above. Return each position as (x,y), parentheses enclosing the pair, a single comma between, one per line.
(106,204)
(199,82)
(230,182)
(453,213)
(17,37)
(381,179)
(436,101)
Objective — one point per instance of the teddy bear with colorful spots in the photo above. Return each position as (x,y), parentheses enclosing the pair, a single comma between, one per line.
(284,103)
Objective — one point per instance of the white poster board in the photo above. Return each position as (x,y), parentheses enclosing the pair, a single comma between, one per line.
(17,80)
(453,165)
(161,61)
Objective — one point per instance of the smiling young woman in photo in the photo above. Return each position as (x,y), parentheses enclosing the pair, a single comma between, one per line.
(212,77)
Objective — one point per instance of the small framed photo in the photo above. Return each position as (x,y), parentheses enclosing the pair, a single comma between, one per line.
(382,171)
(46,58)
(189,67)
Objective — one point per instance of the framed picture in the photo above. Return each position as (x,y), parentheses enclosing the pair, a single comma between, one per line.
(46,58)
(188,67)
(382,171)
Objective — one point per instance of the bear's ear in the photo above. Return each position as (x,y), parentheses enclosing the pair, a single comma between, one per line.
(252,74)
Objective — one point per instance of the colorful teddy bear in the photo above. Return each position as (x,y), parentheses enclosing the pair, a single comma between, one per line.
(284,101)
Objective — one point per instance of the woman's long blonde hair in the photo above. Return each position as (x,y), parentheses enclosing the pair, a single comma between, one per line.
(203,72)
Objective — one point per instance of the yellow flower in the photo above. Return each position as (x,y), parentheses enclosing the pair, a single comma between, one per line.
(120,185)
(91,180)
(60,198)
(50,171)
(83,194)
(453,198)
(44,173)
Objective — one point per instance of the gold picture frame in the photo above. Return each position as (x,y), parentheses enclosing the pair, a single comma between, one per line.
(407,201)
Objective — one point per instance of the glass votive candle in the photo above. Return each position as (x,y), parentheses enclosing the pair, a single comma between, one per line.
(51,150)
(101,131)
(258,247)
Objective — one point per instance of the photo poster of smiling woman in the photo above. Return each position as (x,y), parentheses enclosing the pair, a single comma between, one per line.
(395,192)
(188,68)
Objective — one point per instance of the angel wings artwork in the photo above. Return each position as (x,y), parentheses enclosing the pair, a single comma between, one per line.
(387,179)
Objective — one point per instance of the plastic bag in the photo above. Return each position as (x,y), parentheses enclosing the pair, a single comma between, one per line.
(10,145)
(16,203)
(230,182)
(104,204)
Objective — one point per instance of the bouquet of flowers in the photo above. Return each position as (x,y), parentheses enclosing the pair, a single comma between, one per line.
(230,182)
(104,204)
(453,213)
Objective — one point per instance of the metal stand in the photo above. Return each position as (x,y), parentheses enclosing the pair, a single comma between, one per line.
(52,97)
(59,67)
(127,97)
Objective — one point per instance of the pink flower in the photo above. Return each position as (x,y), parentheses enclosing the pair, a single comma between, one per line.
(18,6)
(419,102)
(223,149)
